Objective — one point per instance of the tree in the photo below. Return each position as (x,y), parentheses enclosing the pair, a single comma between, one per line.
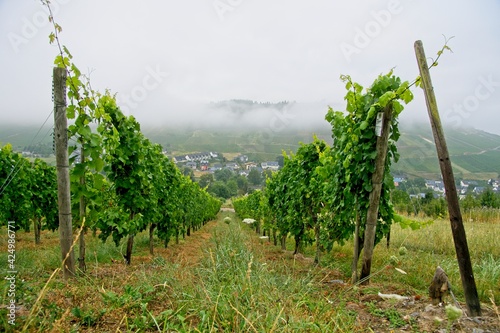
(349,168)
(187,171)
(232,187)
(15,196)
(206,180)
(254,177)
(43,190)
(489,199)
(469,202)
(400,199)
(296,195)
(266,174)
(242,183)
(223,175)
(126,168)
(220,190)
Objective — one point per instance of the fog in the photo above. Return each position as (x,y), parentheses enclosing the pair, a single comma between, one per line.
(169,61)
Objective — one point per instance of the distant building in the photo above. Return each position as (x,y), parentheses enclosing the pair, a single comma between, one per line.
(398,180)
(250,165)
(478,190)
(232,166)
(204,165)
(242,158)
(494,183)
(195,157)
(192,165)
(465,185)
(271,165)
(215,167)
(435,185)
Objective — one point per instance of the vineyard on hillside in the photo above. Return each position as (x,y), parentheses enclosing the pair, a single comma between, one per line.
(320,214)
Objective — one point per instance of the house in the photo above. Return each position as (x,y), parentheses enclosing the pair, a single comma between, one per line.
(435,185)
(180,159)
(271,165)
(494,183)
(478,190)
(204,165)
(465,185)
(215,167)
(250,165)
(192,165)
(232,166)
(195,157)
(242,159)
(398,180)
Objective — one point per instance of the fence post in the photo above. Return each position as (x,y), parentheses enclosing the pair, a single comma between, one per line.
(62,164)
(377,181)
(457,227)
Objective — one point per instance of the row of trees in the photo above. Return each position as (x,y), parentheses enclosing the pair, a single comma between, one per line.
(28,193)
(324,194)
(436,206)
(121,183)
(226,183)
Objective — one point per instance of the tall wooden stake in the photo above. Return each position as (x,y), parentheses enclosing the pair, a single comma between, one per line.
(83,209)
(63,184)
(457,227)
(377,180)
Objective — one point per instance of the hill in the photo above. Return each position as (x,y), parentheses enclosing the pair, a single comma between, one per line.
(475,154)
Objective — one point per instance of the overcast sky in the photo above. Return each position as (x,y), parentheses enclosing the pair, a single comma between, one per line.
(166,58)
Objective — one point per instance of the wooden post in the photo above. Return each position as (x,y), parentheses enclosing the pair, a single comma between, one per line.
(457,227)
(355,255)
(377,181)
(83,209)
(63,184)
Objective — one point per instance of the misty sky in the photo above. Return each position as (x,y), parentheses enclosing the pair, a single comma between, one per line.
(167,59)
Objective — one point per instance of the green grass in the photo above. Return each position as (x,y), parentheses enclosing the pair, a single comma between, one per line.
(237,283)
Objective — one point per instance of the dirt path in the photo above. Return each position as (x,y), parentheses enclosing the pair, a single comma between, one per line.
(188,252)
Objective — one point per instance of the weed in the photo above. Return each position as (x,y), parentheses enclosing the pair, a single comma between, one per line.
(392,315)
(88,317)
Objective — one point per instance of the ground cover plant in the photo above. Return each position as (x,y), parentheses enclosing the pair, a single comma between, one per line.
(226,278)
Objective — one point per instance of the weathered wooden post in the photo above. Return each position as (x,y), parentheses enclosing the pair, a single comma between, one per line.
(83,209)
(377,181)
(63,184)
(457,227)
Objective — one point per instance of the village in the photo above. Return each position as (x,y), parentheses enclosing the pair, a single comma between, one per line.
(213,161)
